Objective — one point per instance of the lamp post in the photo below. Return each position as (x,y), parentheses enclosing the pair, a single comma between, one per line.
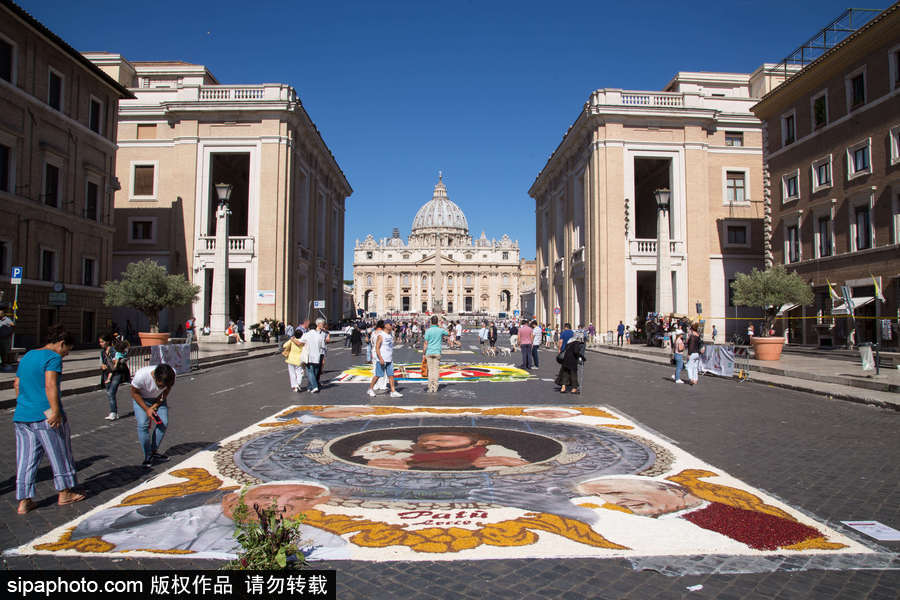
(663,253)
(219,309)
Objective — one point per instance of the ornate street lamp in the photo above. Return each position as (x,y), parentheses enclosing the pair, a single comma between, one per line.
(663,253)
(219,309)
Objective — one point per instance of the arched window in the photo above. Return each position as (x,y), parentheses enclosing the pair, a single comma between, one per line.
(468,280)
(368,280)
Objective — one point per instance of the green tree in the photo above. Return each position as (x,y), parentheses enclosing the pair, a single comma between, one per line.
(770,289)
(148,287)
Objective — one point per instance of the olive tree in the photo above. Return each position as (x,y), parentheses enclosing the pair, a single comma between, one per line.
(769,290)
(149,288)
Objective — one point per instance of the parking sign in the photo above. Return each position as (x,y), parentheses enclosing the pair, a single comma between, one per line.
(16,276)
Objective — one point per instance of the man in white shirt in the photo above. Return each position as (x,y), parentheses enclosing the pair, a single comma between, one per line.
(483,336)
(537,334)
(315,340)
(383,353)
(458,334)
(150,390)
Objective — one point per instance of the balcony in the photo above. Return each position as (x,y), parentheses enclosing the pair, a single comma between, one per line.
(192,95)
(610,100)
(639,247)
(237,246)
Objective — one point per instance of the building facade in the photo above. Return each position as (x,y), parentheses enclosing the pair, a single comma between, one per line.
(440,268)
(527,287)
(596,217)
(832,155)
(185,132)
(57,176)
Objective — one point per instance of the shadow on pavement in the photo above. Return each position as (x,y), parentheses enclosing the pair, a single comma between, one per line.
(46,474)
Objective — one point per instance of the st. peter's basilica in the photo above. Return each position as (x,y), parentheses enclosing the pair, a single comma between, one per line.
(438,269)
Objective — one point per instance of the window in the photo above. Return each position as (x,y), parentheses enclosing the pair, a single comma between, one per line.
(858,162)
(91,201)
(856,89)
(505,256)
(55,90)
(894,60)
(142,230)
(819,110)
(146,132)
(51,185)
(7,60)
(48,265)
(788,129)
(823,236)
(821,174)
(734,138)
(5,168)
(735,187)
(737,235)
(5,256)
(143,181)
(369,280)
(88,272)
(369,255)
(95,121)
(731,292)
(792,240)
(790,187)
(862,220)
(895,145)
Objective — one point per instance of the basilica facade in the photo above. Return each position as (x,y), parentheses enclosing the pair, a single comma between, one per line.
(438,269)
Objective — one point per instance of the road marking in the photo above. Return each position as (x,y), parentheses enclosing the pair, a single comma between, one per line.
(231,389)
(542,379)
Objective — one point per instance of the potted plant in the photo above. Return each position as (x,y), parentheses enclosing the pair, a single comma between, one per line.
(770,290)
(148,287)
(254,335)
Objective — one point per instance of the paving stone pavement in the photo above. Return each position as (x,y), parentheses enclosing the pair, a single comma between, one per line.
(832,459)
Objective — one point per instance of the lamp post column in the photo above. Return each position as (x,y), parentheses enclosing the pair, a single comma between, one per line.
(663,254)
(219,308)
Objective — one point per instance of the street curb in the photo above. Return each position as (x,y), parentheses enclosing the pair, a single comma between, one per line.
(202,369)
(789,386)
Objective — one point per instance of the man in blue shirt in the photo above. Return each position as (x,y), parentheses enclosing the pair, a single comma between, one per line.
(434,343)
(565,336)
(620,330)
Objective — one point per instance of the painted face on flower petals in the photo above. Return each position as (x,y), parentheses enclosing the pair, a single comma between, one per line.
(292,498)
(647,498)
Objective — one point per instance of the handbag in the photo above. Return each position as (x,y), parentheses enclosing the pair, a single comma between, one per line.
(286,351)
(560,357)
(424,366)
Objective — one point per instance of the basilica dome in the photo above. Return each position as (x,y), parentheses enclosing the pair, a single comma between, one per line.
(440,214)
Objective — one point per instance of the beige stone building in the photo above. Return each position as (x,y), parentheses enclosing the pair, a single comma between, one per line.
(833,156)
(185,132)
(440,268)
(57,176)
(596,216)
(527,286)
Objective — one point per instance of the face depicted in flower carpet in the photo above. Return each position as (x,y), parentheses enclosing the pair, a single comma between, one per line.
(450,450)
(290,498)
(647,498)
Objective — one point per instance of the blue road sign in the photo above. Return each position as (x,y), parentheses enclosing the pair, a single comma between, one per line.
(16,276)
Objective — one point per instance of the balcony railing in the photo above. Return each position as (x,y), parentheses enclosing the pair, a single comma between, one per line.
(669,100)
(225,93)
(243,245)
(648,248)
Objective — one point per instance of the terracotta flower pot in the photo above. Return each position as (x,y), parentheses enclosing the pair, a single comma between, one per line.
(767,348)
(153,339)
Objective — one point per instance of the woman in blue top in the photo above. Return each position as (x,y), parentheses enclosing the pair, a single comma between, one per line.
(40,423)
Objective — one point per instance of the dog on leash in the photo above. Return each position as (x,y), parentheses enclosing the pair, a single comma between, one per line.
(490,351)
(505,351)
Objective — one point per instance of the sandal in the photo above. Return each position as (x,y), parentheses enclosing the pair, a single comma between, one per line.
(72,499)
(28,507)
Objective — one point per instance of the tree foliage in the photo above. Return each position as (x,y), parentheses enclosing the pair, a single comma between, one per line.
(148,287)
(269,540)
(769,290)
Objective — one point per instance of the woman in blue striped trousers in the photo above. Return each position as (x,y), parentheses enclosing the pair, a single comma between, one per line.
(40,422)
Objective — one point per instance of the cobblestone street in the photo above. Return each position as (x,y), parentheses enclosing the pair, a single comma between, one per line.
(833,460)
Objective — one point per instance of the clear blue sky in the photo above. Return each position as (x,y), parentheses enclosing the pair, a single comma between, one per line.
(482,90)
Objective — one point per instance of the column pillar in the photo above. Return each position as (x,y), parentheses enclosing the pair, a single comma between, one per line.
(663,260)
(219,309)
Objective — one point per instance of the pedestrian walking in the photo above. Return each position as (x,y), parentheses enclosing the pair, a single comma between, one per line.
(151,389)
(492,335)
(383,350)
(483,336)
(715,332)
(678,355)
(117,374)
(458,334)
(293,353)
(189,326)
(433,342)
(525,339)
(536,337)
(40,422)
(355,340)
(572,357)
(105,343)
(513,336)
(564,336)
(620,333)
(694,350)
(315,340)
